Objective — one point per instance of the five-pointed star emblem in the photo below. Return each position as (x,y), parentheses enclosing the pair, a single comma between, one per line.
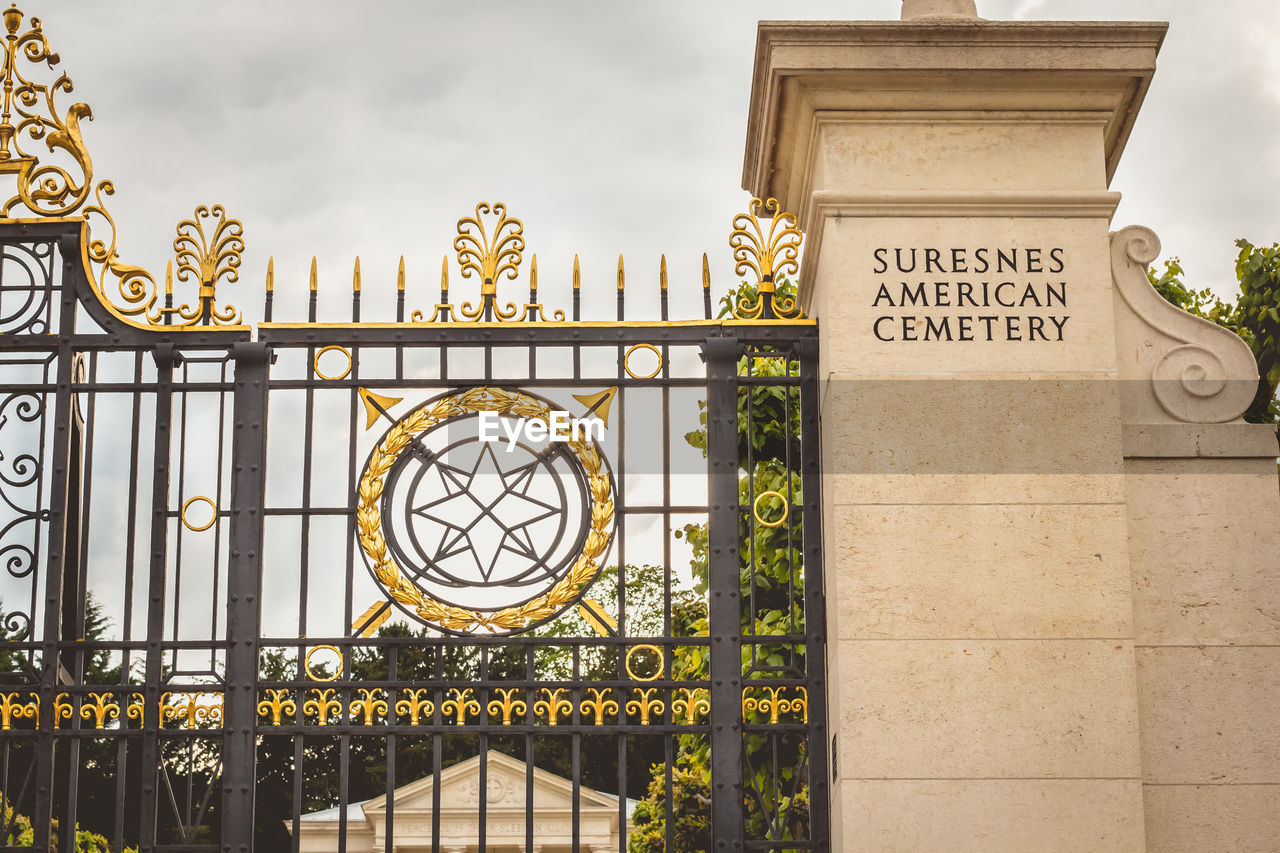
(486,512)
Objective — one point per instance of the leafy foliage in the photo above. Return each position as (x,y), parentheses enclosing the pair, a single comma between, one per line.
(21,834)
(772,590)
(1254,315)
(690,808)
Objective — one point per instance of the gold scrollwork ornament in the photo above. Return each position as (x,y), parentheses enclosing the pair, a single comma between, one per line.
(11,709)
(694,702)
(209,257)
(62,709)
(49,189)
(552,706)
(369,703)
(415,704)
(279,704)
(644,704)
(322,704)
(775,704)
(507,706)
(460,705)
(100,709)
(600,704)
(490,256)
(192,712)
(136,708)
(767,256)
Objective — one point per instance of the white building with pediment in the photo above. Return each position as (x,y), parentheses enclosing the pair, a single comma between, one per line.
(505,810)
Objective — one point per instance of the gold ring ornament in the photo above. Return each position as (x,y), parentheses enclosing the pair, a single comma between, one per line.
(332,348)
(755,509)
(626,361)
(212,518)
(306,663)
(450,553)
(647,647)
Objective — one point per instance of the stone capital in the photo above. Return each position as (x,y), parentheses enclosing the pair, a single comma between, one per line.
(811,76)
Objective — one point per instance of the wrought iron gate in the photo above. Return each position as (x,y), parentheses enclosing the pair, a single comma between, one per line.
(301,583)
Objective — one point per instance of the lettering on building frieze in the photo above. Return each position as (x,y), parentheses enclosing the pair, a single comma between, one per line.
(970,294)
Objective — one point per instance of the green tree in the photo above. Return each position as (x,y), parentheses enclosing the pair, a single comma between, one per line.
(1254,315)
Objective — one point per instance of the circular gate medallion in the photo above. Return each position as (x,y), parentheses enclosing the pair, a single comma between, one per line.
(472,535)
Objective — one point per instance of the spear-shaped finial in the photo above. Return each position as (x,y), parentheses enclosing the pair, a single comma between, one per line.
(622,278)
(444,275)
(355,277)
(315,280)
(533,274)
(168,279)
(577,274)
(706,287)
(400,276)
(662,272)
(271,290)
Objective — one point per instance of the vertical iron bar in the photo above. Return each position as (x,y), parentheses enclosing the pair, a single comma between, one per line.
(393,668)
(483,799)
(622,771)
(126,629)
(166,358)
(815,608)
(72,656)
(530,719)
(575,752)
(176,572)
(50,640)
(218,528)
(244,572)
(437,744)
(669,752)
(725,607)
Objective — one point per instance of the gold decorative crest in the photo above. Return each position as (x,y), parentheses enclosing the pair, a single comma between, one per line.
(31,119)
(208,257)
(49,189)
(767,256)
(491,252)
(373,541)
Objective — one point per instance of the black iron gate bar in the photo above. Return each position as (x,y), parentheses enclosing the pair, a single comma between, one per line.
(722,332)
(188,725)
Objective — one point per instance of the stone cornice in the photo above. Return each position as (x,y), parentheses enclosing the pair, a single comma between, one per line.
(807,66)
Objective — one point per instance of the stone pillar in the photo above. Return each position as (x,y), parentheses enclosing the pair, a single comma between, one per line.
(1204,545)
(951,177)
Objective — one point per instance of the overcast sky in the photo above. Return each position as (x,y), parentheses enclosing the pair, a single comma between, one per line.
(341,128)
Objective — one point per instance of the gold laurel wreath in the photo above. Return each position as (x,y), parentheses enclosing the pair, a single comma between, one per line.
(369,517)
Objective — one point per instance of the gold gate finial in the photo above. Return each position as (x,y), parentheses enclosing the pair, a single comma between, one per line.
(767,256)
(208,257)
(489,255)
(30,121)
(51,189)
